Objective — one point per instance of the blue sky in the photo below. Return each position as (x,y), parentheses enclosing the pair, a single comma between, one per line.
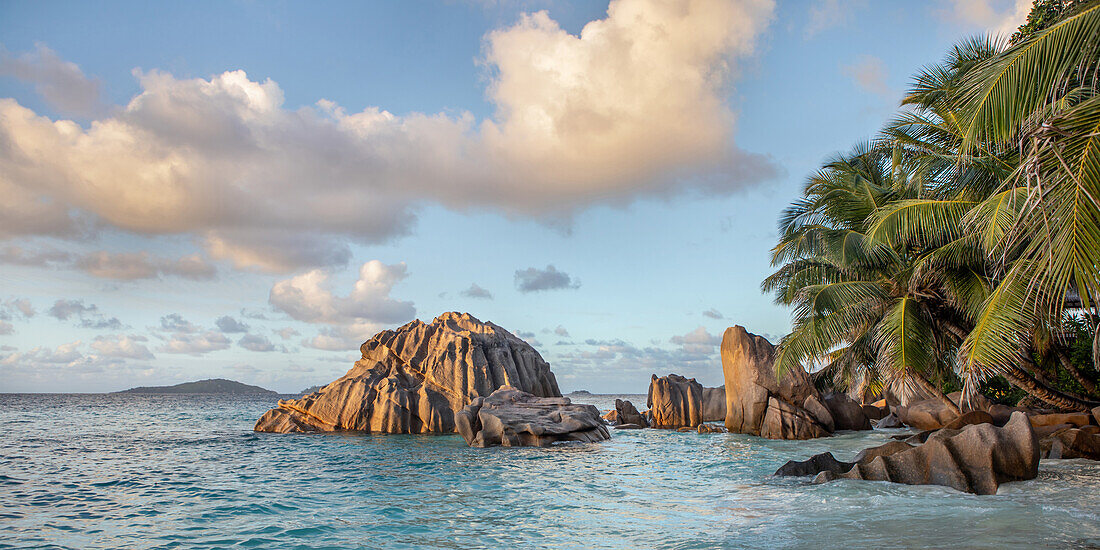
(374,160)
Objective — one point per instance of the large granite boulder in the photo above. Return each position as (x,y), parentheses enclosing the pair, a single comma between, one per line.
(826,462)
(413,379)
(626,413)
(675,402)
(759,403)
(975,459)
(513,418)
(714,404)
(847,414)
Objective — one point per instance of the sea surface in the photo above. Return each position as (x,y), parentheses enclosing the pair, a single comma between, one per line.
(187,471)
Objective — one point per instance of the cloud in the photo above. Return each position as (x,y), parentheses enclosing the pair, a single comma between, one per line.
(341,338)
(698,341)
(635,105)
(6,328)
(61,83)
(16,307)
(534,279)
(476,291)
(999,17)
(870,73)
(17,255)
(61,355)
(89,315)
(286,333)
(174,322)
(561,331)
(306,298)
(228,324)
(195,343)
(255,342)
(121,346)
(713,314)
(826,14)
(128,266)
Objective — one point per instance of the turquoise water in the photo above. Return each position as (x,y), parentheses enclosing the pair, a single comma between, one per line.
(129,471)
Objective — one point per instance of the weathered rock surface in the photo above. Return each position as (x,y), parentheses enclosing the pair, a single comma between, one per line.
(886,449)
(714,404)
(786,421)
(1096,412)
(890,421)
(976,459)
(820,412)
(1076,419)
(675,402)
(414,378)
(824,462)
(626,413)
(873,412)
(757,403)
(712,429)
(846,412)
(1072,443)
(514,418)
(970,418)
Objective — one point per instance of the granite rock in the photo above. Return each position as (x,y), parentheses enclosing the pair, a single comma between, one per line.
(514,418)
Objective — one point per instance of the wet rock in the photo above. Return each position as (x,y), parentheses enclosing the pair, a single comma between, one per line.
(675,402)
(1072,443)
(712,429)
(967,419)
(976,459)
(824,462)
(514,418)
(628,414)
(847,413)
(413,379)
(611,417)
(786,421)
(748,365)
(714,404)
(890,421)
(629,427)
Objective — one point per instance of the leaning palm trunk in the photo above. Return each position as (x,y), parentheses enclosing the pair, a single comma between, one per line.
(1067,363)
(935,390)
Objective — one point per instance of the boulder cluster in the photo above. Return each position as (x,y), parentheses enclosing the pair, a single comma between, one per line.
(513,418)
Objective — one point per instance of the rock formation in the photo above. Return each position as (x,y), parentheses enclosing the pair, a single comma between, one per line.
(759,404)
(847,414)
(975,459)
(626,413)
(714,404)
(414,378)
(675,402)
(513,418)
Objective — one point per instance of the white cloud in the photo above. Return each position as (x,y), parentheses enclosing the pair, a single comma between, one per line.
(633,105)
(534,279)
(255,342)
(16,307)
(1000,17)
(59,82)
(89,315)
(195,343)
(713,314)
(65,354)
(698,341)
(476,291)
(306,298)
(286,333)
(128,266)
(121,346)
(870,73)
(6,328)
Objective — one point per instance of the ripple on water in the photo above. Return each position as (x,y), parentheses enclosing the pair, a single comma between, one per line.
(108,471)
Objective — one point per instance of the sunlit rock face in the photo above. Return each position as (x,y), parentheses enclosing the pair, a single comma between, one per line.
(414,378)
(759,403)
(513,418)
(675,402)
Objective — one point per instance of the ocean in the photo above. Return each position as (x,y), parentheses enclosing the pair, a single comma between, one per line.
(187,471)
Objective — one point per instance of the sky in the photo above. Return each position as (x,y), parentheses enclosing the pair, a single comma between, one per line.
(250,190)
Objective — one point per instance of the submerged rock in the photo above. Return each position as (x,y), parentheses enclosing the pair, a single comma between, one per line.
(513,418)
(757,403)
(712,429)
(413,379)
(675,402)
(975,459)
(824,462)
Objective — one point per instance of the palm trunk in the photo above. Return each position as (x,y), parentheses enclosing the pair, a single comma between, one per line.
(1089,385)
(1023,380)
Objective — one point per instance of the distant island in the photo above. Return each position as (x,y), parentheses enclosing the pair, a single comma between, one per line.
(310,390)
(214,385)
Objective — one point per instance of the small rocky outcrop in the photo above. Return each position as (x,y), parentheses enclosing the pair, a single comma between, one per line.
(1072,443)
(675,402)
(975,459)
(626,413)
(824,462)
(933,414)
(413,379)
(514,418)
(889,421)
(757,403)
